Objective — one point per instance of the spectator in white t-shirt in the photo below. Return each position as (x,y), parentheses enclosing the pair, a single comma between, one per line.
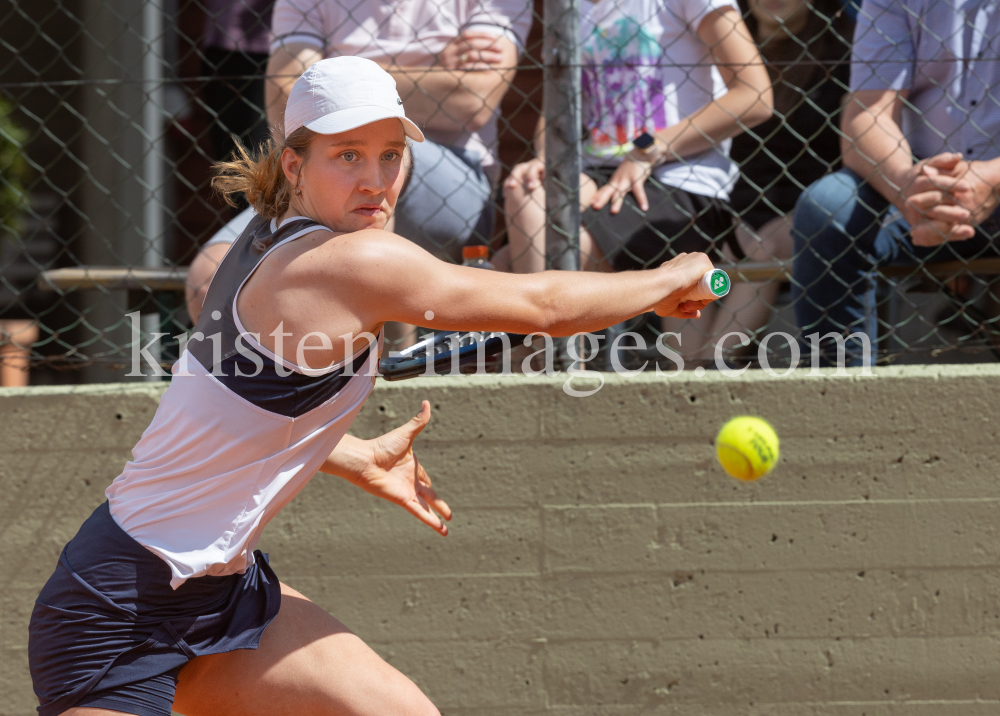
(665,86)
(452,60)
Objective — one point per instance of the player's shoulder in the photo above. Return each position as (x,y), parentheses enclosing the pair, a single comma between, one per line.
(359,253)
(371,245)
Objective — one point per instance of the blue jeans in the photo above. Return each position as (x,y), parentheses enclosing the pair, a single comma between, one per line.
(844,231)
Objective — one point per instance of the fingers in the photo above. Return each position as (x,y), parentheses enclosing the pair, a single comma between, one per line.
(419,421)
(935,233)
(929,205)
(484,39)
(419,508)
(602,197)
(618,199)
(527,174)
(440,506)
(471,66)
(480,51)
(688,315)
(946,161)
(427,493)
(692,306)
(639,191)
(942,182)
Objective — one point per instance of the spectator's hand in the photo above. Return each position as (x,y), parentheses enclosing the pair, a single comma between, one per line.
(929,201)
(981,198)
(529,174)
(472,50)
(684,271)
(630,176)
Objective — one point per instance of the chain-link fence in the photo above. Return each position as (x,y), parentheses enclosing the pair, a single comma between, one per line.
(598,136)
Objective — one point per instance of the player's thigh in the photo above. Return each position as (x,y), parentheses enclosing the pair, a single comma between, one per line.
(307,663)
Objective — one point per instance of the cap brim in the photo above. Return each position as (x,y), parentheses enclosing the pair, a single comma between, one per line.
(347,119)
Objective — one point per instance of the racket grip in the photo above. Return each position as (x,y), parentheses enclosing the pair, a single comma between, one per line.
(714,284)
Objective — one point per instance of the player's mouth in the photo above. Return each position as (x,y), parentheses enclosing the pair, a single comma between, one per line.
(371,210)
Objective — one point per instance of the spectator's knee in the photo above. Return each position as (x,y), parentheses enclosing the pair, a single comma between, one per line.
(516,195)
(822,209)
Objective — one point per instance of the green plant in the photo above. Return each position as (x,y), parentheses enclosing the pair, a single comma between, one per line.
(12,169)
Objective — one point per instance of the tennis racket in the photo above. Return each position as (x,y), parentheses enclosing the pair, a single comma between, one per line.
(441,349)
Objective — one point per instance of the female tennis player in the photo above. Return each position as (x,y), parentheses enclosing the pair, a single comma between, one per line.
(160,601)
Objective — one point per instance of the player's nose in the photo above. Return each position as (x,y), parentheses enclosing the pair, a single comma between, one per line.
(372,180)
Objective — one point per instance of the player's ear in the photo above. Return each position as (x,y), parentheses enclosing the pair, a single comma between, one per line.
(291,165)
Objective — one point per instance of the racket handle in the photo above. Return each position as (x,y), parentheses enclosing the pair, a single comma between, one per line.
(714,284)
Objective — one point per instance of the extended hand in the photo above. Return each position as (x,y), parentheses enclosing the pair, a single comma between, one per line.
(682,274)
(395,474)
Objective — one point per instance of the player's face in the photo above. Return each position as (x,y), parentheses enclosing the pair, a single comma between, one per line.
(351,181)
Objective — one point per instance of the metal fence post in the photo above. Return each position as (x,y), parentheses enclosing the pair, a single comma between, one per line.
(563,120)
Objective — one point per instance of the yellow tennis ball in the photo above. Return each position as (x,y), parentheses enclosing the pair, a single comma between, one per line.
(747,447)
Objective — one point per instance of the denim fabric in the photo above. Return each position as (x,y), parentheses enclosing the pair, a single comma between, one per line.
(844,231)
(447,203)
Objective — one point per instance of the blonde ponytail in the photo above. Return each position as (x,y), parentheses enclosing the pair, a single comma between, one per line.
(260,178)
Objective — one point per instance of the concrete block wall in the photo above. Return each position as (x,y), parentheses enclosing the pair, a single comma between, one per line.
(600,561)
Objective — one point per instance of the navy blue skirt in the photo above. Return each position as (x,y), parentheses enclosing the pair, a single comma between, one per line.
(107,631)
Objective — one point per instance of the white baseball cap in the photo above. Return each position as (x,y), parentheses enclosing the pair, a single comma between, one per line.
(344,93)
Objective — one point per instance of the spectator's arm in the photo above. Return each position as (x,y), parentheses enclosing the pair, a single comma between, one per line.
(457,100)
(200,276)
(873,142)
(925,192)
(285,65)
(749,99)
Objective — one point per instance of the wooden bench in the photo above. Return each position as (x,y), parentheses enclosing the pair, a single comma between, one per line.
(114,278)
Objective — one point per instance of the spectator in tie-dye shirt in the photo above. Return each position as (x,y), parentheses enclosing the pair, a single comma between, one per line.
(679,77)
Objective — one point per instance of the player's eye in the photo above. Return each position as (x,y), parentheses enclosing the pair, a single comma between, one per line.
(390,156)
(349,156)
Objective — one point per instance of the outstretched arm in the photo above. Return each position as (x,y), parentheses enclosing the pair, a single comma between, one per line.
(395,280)
(924,191)
(335,290)
(386,467)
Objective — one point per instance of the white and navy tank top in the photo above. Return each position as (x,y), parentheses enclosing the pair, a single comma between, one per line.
(238,433)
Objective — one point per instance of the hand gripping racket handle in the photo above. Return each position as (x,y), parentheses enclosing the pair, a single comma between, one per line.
(714,284)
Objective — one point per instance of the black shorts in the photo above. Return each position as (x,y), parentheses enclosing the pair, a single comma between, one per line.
(677,222)
(107,631)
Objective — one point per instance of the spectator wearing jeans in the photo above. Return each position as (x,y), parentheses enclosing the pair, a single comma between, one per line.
(922,166)
(452,60)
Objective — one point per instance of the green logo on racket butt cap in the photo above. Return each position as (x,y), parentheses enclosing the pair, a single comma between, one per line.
(714,284)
